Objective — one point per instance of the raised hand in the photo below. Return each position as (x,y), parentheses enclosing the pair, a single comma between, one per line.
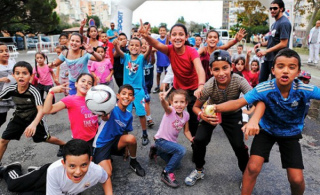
(240,34)
(60,88)
(88,48)
(83,22)
(164,93)
(144,31)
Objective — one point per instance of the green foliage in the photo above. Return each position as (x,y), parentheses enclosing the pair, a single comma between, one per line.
(253,15)
(155,30)
(96,19)
(181,20)
(28,16)
(195,27)
(164,24)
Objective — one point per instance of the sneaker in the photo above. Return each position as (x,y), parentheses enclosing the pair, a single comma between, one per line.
(309,62)
(169,179)
(145,140)
(240,186)
(4,168)
(193,177)
(136,167)
(156,90)
(315,62)
(153,152)
(60,151)
(32,168)
(150,123)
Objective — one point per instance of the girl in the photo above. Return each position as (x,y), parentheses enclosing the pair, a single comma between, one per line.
(43,72)
(103,70)
(92,37)
(212,39)
(223,86)
(148,75)
(252,76)
(186,65)
(62,70)
(63,40)
(173,121)
(6,79)
(76,59)
(83,123)
(240,66)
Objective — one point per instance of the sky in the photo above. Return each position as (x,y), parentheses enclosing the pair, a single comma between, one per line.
(168,12)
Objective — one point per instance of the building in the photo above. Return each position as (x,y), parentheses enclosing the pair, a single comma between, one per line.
(225,14)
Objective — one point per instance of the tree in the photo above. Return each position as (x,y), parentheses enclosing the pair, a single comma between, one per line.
(155,30)
(315,7)
(163,24)
(181,20)
(253,15)
(96,19)
(195,27)
(28,16)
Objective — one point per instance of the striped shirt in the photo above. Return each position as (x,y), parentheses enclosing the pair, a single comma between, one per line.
(283,117)
(214,95)
(26,103)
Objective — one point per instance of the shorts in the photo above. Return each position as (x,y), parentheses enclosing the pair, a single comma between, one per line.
(105,152)
(160,69)
(290,150)
(72,90)
(139,102)
(147,96)
(17,126)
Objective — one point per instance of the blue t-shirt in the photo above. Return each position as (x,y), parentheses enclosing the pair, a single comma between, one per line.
(280,30)
(111,32)
(76,66)
(283,116)
(118,123)
(133,71)
(162,59)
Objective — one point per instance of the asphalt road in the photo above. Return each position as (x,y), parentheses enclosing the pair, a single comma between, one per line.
(222,175)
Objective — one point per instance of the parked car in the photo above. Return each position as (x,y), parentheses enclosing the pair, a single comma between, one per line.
(32,43)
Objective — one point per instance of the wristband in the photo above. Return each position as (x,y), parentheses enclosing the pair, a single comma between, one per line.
(235,41)
(91,52)
(199,114)
(200,84)
(50,91)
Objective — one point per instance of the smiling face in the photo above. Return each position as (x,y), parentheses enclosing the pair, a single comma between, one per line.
(285,70)
(179,103)
(254,66)
(221,71)
(134,47)
(75,42)
(93,33)
(162,32)
(275,12)
(63,40)
(212,39)
(22,76)
(40,59)
(123,40)
(240,65)
(198,41)
(4,54)
(125,97)
(76,167)
(104,37)
(178,37)
(144,46)
(83,85)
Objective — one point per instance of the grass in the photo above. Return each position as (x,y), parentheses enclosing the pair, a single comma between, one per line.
(301,50)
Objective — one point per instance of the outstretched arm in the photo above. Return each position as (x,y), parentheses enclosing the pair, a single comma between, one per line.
(252,127)
(239,36)
(83,22)
(187,132)
(231,105)
(163,101)
(48,108)
(153,42)
(246,67)
(118,51)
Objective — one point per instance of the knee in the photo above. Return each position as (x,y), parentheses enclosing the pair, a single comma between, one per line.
(253,168)
(4,142)
(182,150)
(296,181)
(131,140)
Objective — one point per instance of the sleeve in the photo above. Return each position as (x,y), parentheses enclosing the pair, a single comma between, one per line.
(253,96)
(34,71)
(193,53)
(129,125)
(67,101)
(6,92)
(109,64)
(170,48)
(207,90)
(104,175)
(88,56)
(62,57)
(93,67)
(244,86)
(36,95)
(285,30)
(52,184)
(315,93)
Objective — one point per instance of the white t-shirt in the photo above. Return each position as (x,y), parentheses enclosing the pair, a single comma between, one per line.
(59,183)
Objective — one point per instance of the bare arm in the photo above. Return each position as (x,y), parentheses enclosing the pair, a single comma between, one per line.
(201,76)
(212,120)
(283,44)
(252,127)
(246,67)
(239,36)
(48,108)
(153,42)
(118,51)
(31,129)
(231,105)
(187,132)
(164,103)
(83,22)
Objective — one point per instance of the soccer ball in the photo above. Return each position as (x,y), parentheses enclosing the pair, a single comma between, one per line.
(100,99)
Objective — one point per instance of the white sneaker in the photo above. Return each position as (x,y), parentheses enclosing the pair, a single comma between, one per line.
(193,177)
(315,62)
(309,62)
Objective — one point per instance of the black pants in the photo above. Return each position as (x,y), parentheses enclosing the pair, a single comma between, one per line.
(119,81)
(45,88)
(265,71)
(30,183)
(3,118)
(193,121)
(232,129)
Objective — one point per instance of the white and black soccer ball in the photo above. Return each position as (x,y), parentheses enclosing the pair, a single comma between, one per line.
(100,99)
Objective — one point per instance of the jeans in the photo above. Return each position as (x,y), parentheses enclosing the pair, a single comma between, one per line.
(170,152)
(265,71)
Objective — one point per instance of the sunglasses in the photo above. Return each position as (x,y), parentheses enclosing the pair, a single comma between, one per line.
(273,8)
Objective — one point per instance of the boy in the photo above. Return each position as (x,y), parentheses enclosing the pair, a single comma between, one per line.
(27,118)
(108,45)
(134,76)
(71,175)
(113,138)
(162,59)
(198,42)
(285,99)
(118,62)
(238,54)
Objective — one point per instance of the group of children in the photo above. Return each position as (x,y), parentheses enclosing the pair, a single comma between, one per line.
(206,76)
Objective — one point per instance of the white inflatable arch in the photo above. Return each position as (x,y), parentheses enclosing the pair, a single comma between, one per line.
(122,10)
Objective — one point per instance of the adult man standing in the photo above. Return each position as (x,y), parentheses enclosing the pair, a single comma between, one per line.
(279,39)
(112,33)
(314,44)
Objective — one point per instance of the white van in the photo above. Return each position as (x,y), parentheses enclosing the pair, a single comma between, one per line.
(223,35)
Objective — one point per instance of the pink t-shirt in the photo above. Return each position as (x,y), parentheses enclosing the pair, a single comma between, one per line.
(89,61)
(185,75)
(84,124)
(45,74)
(171,125)
(102,69)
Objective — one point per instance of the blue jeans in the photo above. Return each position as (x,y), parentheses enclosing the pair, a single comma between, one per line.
(170,152)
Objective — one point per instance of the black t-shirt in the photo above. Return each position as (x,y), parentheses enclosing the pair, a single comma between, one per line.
(118,64)
(26,103)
